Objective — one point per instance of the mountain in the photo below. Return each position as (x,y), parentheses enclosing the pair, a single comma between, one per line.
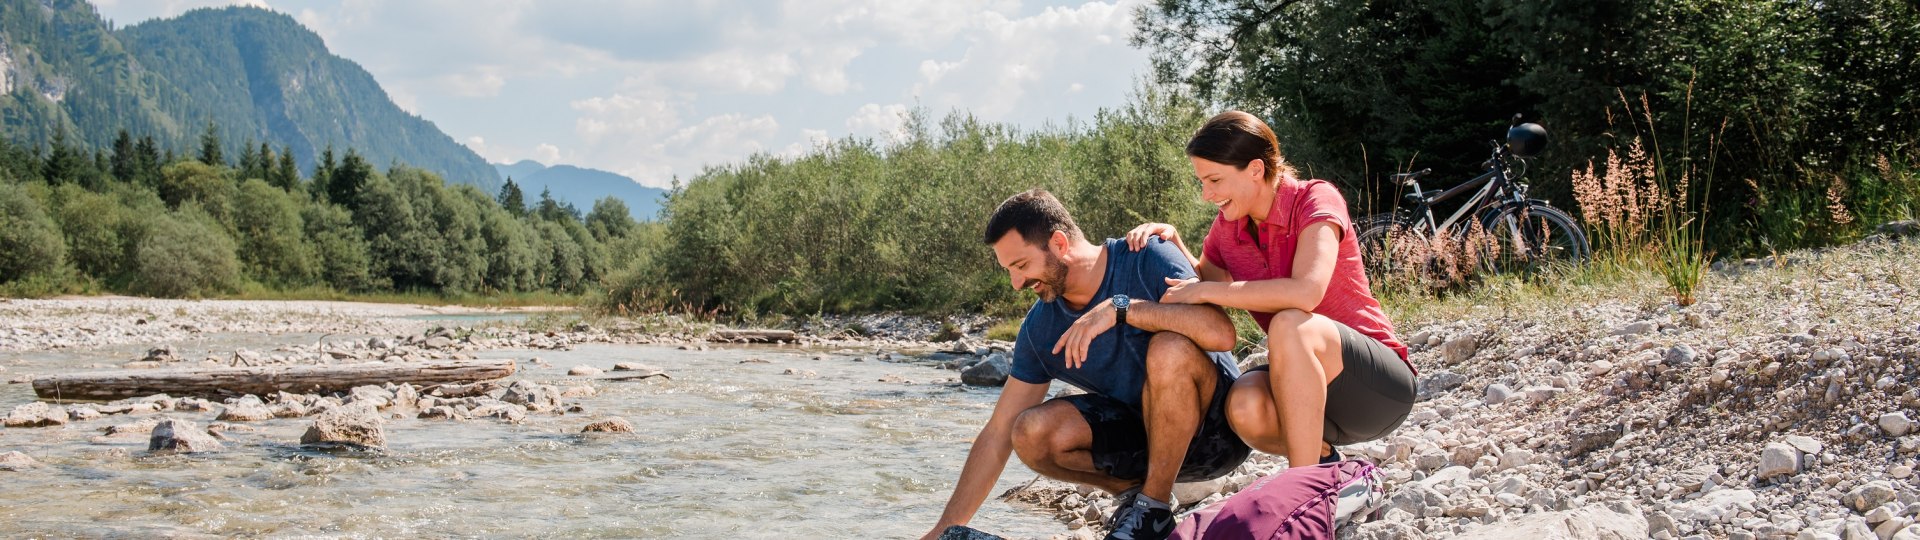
(257,75)
(581,186)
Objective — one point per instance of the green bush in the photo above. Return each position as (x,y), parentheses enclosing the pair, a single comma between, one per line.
(273,243)
(185,254)
(341,255)
(92,224)
(30,242)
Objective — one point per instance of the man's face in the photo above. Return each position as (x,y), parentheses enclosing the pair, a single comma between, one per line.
(1031,267)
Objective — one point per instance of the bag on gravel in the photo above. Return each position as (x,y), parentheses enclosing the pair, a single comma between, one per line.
(1297,503)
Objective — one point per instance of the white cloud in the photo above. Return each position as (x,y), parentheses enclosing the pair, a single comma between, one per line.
(546,153)
(887,122)
(658,88)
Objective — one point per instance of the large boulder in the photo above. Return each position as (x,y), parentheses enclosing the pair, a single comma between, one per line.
(992,371)
(176,436)
(353,425)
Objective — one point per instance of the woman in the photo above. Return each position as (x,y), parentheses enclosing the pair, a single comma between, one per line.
(1284,250)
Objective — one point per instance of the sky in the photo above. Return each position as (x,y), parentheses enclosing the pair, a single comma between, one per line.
(660,89)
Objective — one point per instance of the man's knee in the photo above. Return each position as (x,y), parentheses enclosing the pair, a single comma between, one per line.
(1169,353)
(1037,433)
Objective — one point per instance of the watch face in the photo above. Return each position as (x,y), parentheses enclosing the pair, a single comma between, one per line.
(1121,301)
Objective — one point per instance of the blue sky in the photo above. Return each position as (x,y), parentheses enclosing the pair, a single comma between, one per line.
(658,89)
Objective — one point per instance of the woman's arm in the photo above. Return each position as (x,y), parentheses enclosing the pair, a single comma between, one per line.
(1313,262)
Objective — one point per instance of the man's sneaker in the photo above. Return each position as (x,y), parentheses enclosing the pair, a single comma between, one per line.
(1141,521)
(1333,456)
(1121,501)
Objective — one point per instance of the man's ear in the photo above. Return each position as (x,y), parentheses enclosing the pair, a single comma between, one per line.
(1059,243)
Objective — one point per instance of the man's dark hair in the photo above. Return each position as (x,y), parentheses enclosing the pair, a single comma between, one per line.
(1035,213)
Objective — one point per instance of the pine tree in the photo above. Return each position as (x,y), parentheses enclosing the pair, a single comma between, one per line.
(323,173)
(210,146)
(63,164)
(512,199)
(249,162)
(146,162)
(287,177)
(124,160)
(344,186)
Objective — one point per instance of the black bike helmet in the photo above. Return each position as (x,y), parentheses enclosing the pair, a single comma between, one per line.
(1526,140)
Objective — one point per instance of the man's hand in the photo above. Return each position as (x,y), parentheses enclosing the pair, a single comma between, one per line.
(1137,238)
(1079,336)
(1186,291)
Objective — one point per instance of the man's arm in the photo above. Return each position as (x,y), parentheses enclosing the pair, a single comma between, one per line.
(989,454)
(1207,325)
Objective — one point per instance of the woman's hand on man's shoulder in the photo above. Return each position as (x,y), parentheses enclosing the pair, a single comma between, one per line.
(1137,238)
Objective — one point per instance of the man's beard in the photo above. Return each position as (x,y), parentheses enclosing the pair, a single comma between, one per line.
(1055,279)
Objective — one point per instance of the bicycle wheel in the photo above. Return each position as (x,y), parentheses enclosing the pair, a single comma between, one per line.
(1531,237)
(1387,242)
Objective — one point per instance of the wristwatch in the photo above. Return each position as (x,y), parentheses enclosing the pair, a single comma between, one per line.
(1120,302)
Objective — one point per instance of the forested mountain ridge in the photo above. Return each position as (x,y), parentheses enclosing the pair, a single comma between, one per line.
(581,186)
(256,75)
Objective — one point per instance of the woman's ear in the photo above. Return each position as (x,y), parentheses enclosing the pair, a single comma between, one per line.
(1258,168)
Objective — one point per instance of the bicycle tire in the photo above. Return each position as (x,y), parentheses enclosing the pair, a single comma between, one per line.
(1381,237)
(1531,237)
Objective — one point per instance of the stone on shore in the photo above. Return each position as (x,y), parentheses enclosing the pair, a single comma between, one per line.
(16,461)
(1779,459)
(1598,522)
(357,425)
(992,371)
(1896,423)
(583,371)
(246,409)
(176,436)
(1868,496)
(36,414)
(611,425)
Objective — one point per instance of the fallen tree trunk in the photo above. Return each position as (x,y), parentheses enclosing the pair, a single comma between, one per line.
(754,336)
(222,382)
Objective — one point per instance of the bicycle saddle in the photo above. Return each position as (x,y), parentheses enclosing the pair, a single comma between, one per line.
(1407,179)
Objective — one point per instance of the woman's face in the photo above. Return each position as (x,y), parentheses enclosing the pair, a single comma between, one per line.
(1235,190)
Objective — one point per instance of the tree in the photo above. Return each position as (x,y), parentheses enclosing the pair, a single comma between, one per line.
(344,182)
(64,163)
(610,219)
(30,243)
(551,210)
(273,247)
(287,176)
(185,253)
(512,199)
(210,146)
(125,162)
(146,163)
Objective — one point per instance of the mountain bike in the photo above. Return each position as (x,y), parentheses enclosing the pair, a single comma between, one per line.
(1498,227)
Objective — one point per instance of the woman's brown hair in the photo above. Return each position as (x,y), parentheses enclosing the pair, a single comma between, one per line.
(1236,138)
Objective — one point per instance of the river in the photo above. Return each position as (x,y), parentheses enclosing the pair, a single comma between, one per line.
(729,447)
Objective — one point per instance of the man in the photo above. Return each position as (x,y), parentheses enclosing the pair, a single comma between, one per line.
(1154,411)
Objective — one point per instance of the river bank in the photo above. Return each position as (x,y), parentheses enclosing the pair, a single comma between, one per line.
(1780,406)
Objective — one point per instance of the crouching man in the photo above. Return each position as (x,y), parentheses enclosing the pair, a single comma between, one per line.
(1156,375)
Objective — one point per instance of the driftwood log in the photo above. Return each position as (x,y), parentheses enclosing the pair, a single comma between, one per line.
(221,382)
(754,336)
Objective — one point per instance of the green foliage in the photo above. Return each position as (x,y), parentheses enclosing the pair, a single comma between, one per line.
(185,253)
(341,254)
(95,226)
(30,242)
(273,244)
(1799,92)
(610,219)
(207,186)
(512,199)
(857,226)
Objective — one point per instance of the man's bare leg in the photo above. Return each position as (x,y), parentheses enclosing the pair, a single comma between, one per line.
(1055,441)
(1180,385)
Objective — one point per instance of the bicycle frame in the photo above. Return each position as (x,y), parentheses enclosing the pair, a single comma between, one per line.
(1495,180)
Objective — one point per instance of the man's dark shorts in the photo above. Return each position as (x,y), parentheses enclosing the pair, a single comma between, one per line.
(1371,396)
(1120,437)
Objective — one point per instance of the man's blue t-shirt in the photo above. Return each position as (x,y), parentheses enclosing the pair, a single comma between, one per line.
(1115,368)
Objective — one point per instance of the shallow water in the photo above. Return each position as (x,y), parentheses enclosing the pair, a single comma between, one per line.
(724,449)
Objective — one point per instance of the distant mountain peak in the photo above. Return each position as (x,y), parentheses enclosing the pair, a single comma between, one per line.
(581,186)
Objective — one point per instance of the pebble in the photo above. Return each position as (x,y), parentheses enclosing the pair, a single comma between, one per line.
(1779,459)
(16,461)
(1896,423)
(583,371)
(1498,393)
